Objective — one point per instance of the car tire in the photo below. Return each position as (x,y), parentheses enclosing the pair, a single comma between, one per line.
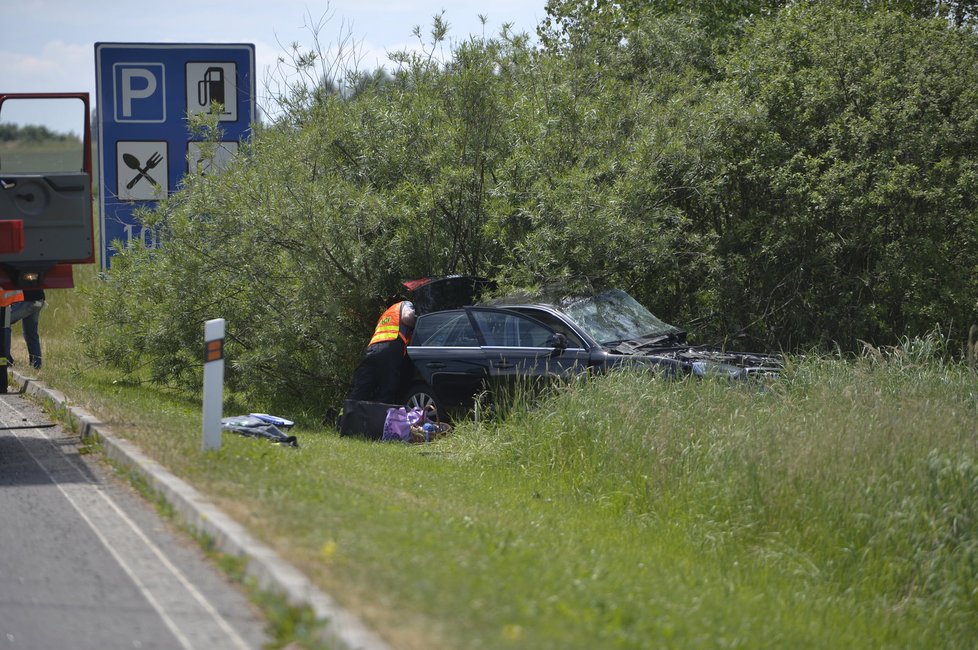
(420,395)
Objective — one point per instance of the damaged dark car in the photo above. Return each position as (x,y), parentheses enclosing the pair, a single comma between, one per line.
(462,350)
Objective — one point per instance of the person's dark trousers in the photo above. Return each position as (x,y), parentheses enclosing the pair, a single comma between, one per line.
(30,313)
(32,338)
(378,377)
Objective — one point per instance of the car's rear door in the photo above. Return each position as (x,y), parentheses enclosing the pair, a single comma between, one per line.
(447,354)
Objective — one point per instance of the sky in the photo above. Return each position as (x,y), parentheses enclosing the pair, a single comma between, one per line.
(49,45)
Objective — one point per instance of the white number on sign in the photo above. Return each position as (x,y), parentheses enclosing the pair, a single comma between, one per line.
(143,233)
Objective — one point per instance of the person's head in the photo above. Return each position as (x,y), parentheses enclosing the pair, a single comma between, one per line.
(408,315)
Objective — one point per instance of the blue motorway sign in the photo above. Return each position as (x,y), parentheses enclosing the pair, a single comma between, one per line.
(144,94)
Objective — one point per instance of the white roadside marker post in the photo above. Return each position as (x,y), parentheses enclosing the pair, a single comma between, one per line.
(213,382)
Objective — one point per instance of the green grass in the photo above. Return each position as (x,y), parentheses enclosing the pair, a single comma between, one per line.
(50,156)
(837,508)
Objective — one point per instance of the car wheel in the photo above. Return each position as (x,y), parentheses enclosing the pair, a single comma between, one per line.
(421,396)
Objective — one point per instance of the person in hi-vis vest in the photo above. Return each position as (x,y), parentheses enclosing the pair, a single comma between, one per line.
(378,377)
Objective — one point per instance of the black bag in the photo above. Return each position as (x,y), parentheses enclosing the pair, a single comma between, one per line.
(364,418)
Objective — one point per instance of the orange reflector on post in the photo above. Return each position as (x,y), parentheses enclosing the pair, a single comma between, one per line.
(214,350)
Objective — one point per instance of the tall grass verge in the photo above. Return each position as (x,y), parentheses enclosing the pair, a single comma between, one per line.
(860,478)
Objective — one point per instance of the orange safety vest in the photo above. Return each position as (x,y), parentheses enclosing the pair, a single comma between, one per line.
(8,298)
(389,326)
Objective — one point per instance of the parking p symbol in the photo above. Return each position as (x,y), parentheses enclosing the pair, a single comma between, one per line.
(129,90)
(140,92)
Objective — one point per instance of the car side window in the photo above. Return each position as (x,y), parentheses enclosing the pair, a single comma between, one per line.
(554,323)
(511,330)
(445,329)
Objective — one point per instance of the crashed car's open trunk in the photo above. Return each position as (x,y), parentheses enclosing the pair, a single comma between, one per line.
(450,292)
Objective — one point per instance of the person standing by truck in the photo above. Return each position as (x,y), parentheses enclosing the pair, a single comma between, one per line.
(28,310)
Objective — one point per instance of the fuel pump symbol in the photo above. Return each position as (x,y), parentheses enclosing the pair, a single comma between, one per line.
(208,82)
(210,89)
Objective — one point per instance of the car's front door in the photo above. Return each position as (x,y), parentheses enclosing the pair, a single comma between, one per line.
(521,351)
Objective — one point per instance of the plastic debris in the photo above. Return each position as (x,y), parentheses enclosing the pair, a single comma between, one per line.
(260,427)
(281,423)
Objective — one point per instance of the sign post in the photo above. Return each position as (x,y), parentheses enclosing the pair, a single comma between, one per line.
(213,382)
(146,91)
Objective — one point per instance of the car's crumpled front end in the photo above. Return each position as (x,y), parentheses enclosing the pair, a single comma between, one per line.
(699,361)
(709,362)
(626,329)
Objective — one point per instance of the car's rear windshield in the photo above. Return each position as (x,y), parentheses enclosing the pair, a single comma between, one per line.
(613,315)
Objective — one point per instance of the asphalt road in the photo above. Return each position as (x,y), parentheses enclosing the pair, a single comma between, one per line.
(85,562)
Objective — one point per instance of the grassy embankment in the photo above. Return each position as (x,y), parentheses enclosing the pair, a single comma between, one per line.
(835,510)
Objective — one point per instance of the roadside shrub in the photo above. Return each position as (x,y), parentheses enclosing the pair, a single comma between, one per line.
(848,204)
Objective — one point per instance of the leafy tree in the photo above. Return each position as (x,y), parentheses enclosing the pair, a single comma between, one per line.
(583,200)
(32,134)
(812,170)
(847,206)
(573,24)
(958,13)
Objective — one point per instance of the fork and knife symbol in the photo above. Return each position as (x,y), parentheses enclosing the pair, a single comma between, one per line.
(133,163)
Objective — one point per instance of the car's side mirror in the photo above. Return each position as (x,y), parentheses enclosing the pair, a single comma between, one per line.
(558,342)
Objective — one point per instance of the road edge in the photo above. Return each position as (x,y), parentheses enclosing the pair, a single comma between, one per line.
(342,628)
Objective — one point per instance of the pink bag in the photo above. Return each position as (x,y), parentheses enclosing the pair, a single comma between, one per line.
(399,421)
